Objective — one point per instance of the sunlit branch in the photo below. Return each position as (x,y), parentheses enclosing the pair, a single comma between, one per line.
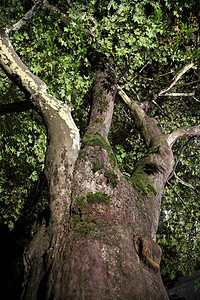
(177,77)
(179,94)
(196,99)
(174,173)
(181,132)
(143,122)
(109,5)
(175,80)
(64,18)
(160,108)
(27,17)
(117,14)
(188,83)
(183,182)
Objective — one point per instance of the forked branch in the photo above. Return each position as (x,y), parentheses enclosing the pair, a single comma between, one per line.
(174,82)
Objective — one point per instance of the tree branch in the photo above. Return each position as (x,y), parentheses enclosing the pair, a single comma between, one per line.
(104,91)
(15,107)
(146,125)
(188,83)
(183,182)
(27,16)
(56,115)
(64,18)
(175,80)
(16,70)
(181,132)
(179,94)
(174,173)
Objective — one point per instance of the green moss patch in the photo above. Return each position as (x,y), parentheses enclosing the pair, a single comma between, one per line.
(104,105)
(98,198)
(112,177)
(109,174)
(82,154)
(142,185)
(82,222)
(98,120)
(96,139)
(98,166)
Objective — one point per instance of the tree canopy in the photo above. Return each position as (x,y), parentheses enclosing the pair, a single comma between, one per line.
(154,49)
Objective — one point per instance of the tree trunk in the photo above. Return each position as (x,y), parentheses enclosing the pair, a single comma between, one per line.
(100,240)
(107,250)
(104,246)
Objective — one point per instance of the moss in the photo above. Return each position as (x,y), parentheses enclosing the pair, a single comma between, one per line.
(103,102)
(96,139)
(112,177)
(152,168)
(98,166)
(82,222)
(82,154)
(87,224)
(35,228)
(113,159)
(98,198)
(109,174)
(142,185)
(104,105)
(98,120)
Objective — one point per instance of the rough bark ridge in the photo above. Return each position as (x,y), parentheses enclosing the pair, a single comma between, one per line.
(100,241)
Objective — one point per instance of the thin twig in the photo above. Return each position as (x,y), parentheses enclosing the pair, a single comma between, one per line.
(160,108)
(109,5)
(179,157)
(188,83)
(182,200)
(196,99)
(183,182)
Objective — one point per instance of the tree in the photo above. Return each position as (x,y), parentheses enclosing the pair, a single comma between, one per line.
(100,239)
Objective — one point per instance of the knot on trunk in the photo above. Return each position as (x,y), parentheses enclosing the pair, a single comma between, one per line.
(148,251)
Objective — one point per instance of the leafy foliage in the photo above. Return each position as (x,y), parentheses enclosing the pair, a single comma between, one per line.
(179,222)
(23,145)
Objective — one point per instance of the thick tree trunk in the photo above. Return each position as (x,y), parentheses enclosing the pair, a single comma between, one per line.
(108,250)
(100,239)
(105,248)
